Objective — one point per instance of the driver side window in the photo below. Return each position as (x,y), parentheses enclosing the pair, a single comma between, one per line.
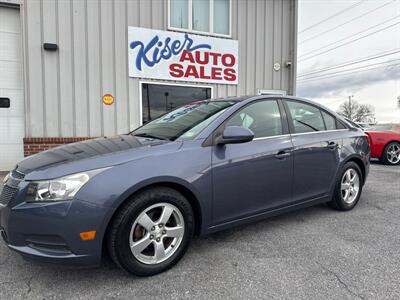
(263,118)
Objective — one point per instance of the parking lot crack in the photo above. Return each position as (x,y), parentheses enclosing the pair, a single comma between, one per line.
(376,206)
(28,283)
(341,281)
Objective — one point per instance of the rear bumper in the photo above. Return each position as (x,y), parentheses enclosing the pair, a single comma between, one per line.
(50,232)
(367,166)
(367,163)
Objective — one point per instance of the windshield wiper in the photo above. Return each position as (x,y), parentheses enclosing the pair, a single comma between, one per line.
(151,136)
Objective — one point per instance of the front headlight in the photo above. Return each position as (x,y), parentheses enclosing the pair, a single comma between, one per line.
(6,178)
(59,189)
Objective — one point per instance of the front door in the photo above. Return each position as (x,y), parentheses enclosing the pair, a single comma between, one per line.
(12,123)
(253,177)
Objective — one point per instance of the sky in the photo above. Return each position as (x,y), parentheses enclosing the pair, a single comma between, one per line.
(334,33)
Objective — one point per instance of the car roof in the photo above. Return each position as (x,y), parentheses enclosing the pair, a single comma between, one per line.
(271,96)
(256,97)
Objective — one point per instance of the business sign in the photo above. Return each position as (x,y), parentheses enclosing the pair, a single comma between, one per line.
(170,55)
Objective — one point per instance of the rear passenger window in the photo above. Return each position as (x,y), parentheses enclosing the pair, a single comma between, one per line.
(263,118)
(340,125)
(306,118)
(330,122)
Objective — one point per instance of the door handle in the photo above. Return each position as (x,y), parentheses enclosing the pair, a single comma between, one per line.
(332,145)
(282,154)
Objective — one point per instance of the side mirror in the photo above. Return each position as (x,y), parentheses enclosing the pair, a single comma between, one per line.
(235,135)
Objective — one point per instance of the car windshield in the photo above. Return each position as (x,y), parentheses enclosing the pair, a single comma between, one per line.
(384,127)
(186,121)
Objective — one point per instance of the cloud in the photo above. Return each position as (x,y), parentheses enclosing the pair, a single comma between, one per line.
(347,83)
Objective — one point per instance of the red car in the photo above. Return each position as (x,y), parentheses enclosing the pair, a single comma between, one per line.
(385,143)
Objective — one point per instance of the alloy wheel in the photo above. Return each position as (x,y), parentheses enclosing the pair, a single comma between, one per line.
(393,154)
(350,186)
(157,233)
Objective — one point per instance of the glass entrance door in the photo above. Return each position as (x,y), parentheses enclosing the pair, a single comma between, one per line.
(158,99)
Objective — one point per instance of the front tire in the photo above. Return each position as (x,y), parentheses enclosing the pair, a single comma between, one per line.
(348,188)
(151,232)
(391,154)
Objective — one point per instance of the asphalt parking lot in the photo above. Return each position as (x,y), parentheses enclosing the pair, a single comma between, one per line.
(315,253)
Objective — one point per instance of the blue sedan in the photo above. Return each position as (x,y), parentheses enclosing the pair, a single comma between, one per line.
(201,168)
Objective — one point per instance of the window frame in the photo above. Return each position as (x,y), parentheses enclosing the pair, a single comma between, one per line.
(290,119)
(211,21)
(211,139)
(322,112)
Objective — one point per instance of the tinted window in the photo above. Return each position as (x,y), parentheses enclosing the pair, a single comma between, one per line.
(340,125)
(306,118)
(262,118)
(353,124)
(158,99)
(330,122)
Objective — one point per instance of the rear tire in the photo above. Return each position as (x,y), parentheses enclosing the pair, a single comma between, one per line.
(348,188)
(160,218)
(391,154)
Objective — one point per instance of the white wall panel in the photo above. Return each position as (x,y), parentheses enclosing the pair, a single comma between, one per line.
(94,69)
(80,67)
(277,44)
(121,62)
(107,63)
(50,70)
(34,69)
(65,55)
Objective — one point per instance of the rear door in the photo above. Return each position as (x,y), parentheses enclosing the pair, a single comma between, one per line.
(253,177)
(316,145)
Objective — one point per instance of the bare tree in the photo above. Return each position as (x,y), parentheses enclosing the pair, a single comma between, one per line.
(357,112)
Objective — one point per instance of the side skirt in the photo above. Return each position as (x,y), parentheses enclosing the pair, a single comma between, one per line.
(267,214)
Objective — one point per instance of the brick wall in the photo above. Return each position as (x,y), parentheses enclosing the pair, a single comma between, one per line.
(35,144)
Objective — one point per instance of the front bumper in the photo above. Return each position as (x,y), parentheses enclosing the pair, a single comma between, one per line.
(50,232)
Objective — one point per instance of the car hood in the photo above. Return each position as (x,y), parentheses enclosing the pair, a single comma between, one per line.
(90,154)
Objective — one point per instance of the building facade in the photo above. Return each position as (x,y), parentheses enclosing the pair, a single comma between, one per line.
(75,69)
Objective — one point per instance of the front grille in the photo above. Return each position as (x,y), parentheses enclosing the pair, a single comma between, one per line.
(7,194)
(49,243)
(15,178)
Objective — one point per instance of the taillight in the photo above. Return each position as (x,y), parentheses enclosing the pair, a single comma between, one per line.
(369,140)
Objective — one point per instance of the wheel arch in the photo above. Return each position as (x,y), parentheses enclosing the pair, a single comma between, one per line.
(360,164)
(177,185)
(387,143)
(383,153)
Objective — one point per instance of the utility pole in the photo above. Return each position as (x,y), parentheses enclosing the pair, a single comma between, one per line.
(350,108)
